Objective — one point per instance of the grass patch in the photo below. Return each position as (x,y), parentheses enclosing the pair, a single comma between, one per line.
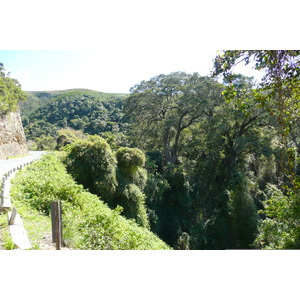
(7,242)
(18,156)
(36,224)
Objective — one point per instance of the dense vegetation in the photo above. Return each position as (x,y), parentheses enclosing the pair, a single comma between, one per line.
(118,178)
(10,92)
(88,223)
(204,162)
(278,94)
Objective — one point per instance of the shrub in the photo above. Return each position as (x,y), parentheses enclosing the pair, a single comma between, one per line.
(132,200)
(130,158)
(132,178)
(92,163)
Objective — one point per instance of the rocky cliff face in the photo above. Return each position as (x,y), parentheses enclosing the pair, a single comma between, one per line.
(12,137)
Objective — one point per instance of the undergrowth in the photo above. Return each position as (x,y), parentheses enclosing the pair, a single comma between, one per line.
(88,223)
(7,242)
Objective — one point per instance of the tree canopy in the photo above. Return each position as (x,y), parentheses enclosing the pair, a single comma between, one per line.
(91,112)
(278,94)
(10,92)
(166,105)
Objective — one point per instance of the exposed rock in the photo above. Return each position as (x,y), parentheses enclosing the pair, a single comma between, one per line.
(12,137)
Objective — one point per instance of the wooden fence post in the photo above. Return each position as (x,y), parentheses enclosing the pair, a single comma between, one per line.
(56,224)
(52,207)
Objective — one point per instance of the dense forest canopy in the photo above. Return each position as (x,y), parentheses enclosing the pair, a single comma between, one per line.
(204,162)
(45,113)
(278,94)
(167,105)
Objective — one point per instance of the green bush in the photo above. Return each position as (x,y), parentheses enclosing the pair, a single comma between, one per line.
(130,158)
(132,178)
(88,223)
(132,201)
(93,164)
(119,179)
(276,230)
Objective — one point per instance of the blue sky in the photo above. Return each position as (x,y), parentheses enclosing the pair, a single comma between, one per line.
(44,70)
(98,69)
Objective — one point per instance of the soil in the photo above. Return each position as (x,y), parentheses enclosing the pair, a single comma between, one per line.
(46,243)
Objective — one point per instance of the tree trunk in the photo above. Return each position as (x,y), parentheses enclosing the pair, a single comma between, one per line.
(166,143)
(175,148)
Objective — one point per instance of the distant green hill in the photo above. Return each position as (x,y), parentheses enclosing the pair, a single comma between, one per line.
(46,112)
(36,99)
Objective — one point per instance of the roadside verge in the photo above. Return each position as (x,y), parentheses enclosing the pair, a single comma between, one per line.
(17,231)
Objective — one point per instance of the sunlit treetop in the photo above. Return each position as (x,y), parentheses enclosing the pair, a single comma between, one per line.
(283,64)
(10,92)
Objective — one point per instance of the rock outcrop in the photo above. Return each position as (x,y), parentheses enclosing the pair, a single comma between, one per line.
(12,137)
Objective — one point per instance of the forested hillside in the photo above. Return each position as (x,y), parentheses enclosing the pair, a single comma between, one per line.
(45,113)
(204,162)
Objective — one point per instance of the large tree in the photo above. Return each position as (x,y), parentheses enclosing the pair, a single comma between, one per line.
(220,149)
(164,106)
(278,93)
